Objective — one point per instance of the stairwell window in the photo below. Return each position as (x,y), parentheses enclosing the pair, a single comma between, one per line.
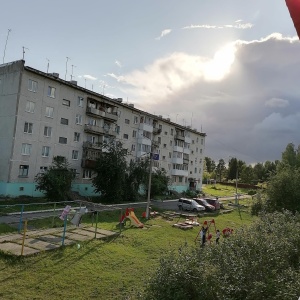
(87,174)
(51,92)
(32,85)
(76,136)
(80,101)
(47,131)
(78,119)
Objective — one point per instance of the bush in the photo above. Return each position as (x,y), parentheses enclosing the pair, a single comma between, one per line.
(251,192)
(258,262)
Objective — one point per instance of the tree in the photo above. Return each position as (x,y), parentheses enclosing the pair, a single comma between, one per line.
(232,168)
(159,183)
(210,164)
(57,181)
(247,175)
(220,169)
(110,172)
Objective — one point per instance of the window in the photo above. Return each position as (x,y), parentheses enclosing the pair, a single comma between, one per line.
(125,136)
(117,129)
(201,141)
(26,149)
(166,133)
(132,147)
(78,119)
(91,122)
(32,85)
(28,127)
(64,121)
(49,112)
(80,101)
(62,140)
(170,155)
(180,178)
(51,92)
(172,131)
(193,142)
(87,174)
(45,151)
(30,106)
(159,139)
(47,131)
(134,133)
(165,145)
(135,120)
(164,158)
(200,151)
(66,102)
(160,126)
(76,136)
(43,169)
(75,154)
(195,170)
(23,170)
(127,121)
(171,143)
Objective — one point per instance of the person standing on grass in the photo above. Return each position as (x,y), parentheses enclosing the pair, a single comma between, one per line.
(203,236)
(218,234)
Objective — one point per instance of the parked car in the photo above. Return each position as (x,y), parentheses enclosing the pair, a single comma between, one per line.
(203,202)
(189,204)
(214,201)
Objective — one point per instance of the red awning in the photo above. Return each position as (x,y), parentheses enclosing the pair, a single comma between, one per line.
(294,9)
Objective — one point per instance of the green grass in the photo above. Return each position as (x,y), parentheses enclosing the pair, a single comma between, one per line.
(218,190)
(113,269)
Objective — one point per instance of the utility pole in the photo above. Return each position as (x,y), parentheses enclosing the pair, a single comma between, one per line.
(149,183)
(236,188)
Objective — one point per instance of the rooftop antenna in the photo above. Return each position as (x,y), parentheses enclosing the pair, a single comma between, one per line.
(66,67)
(9,30)
(103,87)
(72,72)
(85,83)
(92,87)
(192,120)
(48,65)
(24,51)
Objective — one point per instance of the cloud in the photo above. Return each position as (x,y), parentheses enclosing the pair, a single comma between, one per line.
(164,33)
(234,95)
(237,25)
(89,77)
(277,102)
(118,64)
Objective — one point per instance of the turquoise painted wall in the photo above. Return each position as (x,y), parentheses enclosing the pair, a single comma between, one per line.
(14,190)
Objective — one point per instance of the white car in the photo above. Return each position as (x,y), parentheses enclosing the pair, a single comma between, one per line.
(189,204)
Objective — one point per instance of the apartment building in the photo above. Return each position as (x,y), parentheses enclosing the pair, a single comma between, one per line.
(42,115)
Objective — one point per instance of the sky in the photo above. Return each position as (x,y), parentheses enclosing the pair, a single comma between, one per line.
(228,68)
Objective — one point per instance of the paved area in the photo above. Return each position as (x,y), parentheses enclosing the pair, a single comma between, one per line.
(36,241)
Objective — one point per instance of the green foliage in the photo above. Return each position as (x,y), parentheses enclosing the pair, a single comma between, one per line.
(251,192)
(258,262)
(111,168)
(159,183)
(57,181)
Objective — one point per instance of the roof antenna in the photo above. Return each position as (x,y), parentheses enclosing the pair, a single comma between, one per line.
(72,72)
(24,51)
(48,65)
(66,67)
(9,30)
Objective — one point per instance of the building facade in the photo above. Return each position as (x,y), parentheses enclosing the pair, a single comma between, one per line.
(42,116)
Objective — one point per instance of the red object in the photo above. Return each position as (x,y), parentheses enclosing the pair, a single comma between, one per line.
(294,9)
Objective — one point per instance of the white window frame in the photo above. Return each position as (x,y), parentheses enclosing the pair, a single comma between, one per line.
(80,101)
(76,136)
(51,92)
(45,151)
(75,154)
(135,119)
(49,112)
(133,147)
(32,85)
(87,174)
(23,170)
(30,106)
(47,131)
(26,149)
(28,127)
(78,120)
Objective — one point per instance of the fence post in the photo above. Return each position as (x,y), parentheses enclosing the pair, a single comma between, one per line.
(24,236)
(21,216)
(64,232)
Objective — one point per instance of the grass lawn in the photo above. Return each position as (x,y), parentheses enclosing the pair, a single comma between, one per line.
(218,190)
(113,269)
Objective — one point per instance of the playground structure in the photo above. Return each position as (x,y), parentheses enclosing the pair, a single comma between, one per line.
(227,232)
(207,224)
(129,219)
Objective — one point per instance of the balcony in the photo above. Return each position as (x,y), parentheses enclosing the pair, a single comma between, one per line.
(112,116)
(92,145)
(146,127)
(179,172)
(178,148)
(179,137)
(88,163)
(186,161)
(177,160)
(99,130)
